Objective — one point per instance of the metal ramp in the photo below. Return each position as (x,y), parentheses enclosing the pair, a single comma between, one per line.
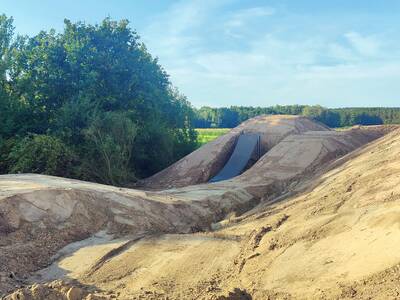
(246,145)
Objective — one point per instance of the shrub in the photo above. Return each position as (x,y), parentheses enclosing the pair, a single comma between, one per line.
(110,139)
(42,154)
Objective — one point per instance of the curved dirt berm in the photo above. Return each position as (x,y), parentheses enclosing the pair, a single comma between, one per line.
(76,228)
(337,240)
(202,164)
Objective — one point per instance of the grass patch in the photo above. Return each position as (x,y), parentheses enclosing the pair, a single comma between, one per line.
(206,135)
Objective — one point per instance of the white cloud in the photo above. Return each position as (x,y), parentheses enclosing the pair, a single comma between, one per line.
(365,45)
(241,17)
(173,33)
(269,66)
(284,71)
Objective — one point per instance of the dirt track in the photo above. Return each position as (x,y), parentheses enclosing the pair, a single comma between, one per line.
(306,221)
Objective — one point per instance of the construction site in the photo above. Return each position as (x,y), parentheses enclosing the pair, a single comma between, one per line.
(280,207)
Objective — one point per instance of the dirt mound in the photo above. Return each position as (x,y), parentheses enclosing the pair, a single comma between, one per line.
(284,228)
(56,290)
(205,162)
(336,239)
(40,214)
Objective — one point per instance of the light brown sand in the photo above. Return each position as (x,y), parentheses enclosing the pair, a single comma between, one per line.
(306,221)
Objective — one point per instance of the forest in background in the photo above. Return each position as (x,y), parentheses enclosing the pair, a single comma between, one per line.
(88,103)
(229,117)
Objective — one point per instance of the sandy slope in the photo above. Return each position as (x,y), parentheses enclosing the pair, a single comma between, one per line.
(300,223)
(204,163)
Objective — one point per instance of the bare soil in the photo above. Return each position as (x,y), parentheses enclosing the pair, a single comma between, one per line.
(317,217)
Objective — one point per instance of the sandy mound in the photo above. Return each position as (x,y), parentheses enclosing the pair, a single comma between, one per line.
(205,162)
(287,227)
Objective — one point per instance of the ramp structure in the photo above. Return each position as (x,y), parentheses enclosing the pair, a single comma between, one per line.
(246,145)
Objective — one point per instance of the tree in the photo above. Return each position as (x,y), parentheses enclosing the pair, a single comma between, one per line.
(313,111)
(6,33)
(98,90)
(110,140)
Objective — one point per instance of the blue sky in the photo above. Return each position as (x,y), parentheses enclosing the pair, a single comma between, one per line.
(227,52)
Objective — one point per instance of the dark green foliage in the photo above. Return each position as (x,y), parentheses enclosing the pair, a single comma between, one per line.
(109,145)
(99,92)
(40,154)
(207,117)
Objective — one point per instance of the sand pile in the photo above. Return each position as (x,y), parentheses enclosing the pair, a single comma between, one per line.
(300,223)
(204,163)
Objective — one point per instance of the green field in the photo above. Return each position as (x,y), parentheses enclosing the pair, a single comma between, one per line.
(206,135)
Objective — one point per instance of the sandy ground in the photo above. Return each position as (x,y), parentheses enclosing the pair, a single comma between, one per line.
(317,217)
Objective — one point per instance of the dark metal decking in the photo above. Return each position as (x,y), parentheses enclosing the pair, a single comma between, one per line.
(246,145)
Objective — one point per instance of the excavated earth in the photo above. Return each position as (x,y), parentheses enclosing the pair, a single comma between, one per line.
(316,217)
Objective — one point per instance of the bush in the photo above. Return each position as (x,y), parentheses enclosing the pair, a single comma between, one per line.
(42,154)
(5,148)
(110,139)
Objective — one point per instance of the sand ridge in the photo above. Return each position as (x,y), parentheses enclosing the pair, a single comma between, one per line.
(300,223)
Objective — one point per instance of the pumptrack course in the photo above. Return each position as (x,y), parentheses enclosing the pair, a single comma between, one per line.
(305,212)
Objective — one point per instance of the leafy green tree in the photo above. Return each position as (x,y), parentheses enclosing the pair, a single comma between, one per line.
(110,140)
(41,154)
(87,86)
(6,33)
(366,119)
(313,111)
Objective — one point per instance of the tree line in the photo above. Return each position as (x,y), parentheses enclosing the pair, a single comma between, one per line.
(88,103)
(229,117)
